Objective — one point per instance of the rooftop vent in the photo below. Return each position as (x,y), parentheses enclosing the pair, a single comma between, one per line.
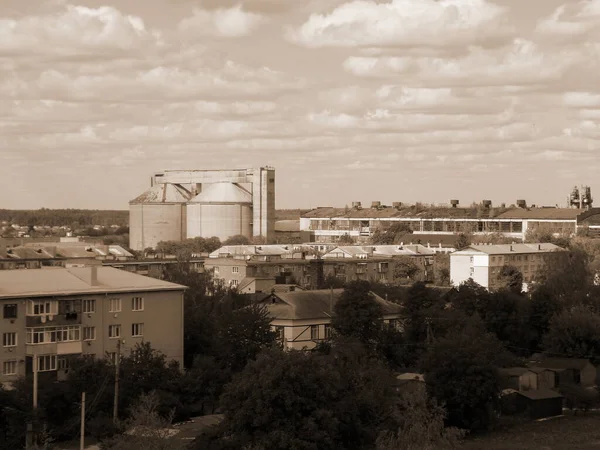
(397,205)
(375,204)
(521,203)
(454,203)
(487,203)
(357,205)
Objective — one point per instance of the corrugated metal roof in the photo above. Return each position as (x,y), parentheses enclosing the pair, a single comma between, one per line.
(162,193)
(317,304)
(67,281)
(224,192)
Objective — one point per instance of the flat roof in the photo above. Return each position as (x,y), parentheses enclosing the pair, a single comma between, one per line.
(74,281)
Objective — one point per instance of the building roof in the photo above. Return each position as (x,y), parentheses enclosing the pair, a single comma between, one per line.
(427,239)
(17,253)
(539,394)
(222,192)
(364,251)
(542,213)
(74,281)
(513,371)
(552,363)
(287,226)
(317,304)
(508,249)
(252,250)
(162,193)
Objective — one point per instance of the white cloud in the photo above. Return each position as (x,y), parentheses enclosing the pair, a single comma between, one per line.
(75,31)
(231,23)
(421,23)
(571,22)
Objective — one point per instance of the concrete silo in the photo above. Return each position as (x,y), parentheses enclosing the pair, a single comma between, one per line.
(222,209)
(159,214)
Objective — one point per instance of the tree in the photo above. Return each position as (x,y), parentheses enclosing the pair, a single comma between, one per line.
(357,314)
(463,241)
(405,270)
(238,239)
(511,278)
(298,400)
(469,297)
(391,234)
(461,374)
(441,269)
(575,333)
(146,428)
(346,239)
(421,426)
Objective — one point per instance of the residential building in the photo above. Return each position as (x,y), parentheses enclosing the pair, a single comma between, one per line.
(330,224)
(483,263)
(302,319)
(51,315)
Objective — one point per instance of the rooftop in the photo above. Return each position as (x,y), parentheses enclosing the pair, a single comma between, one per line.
(223,192)
(74,281)
(317,304)
(509,249)
(377,251)
(162,193)
(547,362)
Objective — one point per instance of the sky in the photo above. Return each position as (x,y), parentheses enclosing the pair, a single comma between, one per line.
(401,100)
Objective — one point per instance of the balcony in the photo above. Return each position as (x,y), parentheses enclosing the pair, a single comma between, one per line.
(53,320)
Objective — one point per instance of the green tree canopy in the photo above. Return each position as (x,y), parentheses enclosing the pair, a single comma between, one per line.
(357,313)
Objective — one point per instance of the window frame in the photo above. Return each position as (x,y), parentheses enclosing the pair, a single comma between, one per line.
(13,363)
(119,304)
(93,330)
(137,327)
(314,329)
(86,303)
(14,339)
(114,327)
(51,359)
(8,306)
(137,304)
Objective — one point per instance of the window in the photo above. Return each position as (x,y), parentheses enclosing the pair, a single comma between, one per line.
(471,271)
(9,368)
(280,331)
(9,339)
(471,259)
(216,269)
(235,269)
(314,332)
(89,333)
(89,306)
(46,363)
(41,307)
(53,334)
(112,357)
(114,331)
(10,311)
(327,331)
(137,304)
(62,363)
(235,282)
(115,305)
(137,329)
(69,306)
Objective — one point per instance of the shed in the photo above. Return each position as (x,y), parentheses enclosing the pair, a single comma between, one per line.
(569,370)
(518,378)
(546,378)
(540,403)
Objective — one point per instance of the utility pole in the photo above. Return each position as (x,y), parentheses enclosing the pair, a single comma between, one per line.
(116,400)
(30,436)
(82,438)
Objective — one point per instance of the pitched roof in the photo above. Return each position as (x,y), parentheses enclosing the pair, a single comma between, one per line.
(251,250)
(509,249)
(542,213)
(558,363)
(539,394)
(67,281)
(403,212)
(317,304)
(162,193)
(513,371)
(378,250)
(222,192)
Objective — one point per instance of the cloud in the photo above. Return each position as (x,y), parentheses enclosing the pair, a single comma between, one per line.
(571,22)
(403,23)
(76,31)
(232,22)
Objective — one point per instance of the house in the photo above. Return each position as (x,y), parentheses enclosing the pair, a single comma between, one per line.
(302,319)
(539,403)
(483,263)
(252,285)
(567,370)
(518,378)
(51,315)
(546,378)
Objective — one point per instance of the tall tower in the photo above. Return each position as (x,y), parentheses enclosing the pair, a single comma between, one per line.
(263,195)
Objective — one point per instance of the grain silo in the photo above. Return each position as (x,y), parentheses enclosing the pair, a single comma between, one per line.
(222,209)
(157,215)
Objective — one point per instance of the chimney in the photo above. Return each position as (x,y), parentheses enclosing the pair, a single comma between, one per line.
(375,204)
(454,203)
(94,275)
(356,205)
(521,203)
(487,203)
(539,246)
(511,247)
(397,205)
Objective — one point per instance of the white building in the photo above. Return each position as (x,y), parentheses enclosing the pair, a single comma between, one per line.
(483,263)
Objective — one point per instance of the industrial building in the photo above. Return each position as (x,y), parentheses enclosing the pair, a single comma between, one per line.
(182,204)
(327,224)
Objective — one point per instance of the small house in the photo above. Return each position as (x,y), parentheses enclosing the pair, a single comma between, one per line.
(546,378)
(518,378)
(540,403)
(568,370)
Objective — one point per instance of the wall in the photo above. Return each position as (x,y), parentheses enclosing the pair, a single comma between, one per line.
(152,223)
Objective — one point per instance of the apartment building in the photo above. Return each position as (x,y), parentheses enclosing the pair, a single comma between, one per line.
(50,315)
(483,263)
(302,319)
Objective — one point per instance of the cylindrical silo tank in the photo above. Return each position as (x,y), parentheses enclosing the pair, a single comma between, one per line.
(157,215)
(222,209)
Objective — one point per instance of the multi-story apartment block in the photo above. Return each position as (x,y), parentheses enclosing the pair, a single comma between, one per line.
(302,319)
(483,263)
(48,316)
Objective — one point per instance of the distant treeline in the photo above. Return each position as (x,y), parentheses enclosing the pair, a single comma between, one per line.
(90,217)
(65,217)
